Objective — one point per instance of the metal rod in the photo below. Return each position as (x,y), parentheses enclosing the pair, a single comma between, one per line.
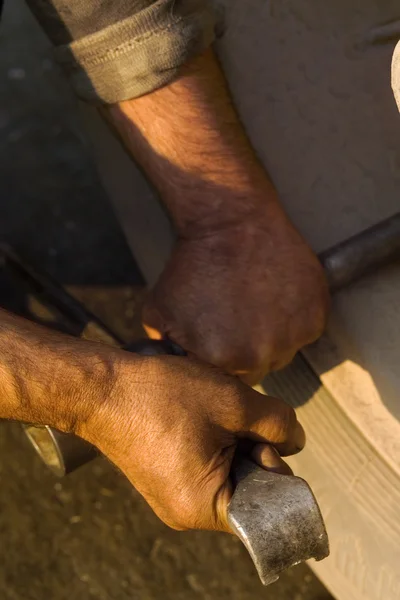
(363,253)
(55,296)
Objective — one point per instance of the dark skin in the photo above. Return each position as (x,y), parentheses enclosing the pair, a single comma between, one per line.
(242,293)
(242,289)
(156,418)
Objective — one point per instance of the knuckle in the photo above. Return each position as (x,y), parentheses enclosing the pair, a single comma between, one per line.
(257,356)
(246,359)
(217,352)
(232,409)
(280,362)
(228,350)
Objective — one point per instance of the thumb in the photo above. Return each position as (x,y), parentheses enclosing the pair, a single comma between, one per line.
(266,457)
(272,421)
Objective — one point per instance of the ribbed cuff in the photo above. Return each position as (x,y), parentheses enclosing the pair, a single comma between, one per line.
(139,54)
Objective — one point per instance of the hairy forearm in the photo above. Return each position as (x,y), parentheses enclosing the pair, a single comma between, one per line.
(50,378)
(189,141)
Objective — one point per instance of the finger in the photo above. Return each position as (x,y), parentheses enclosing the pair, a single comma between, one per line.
(283,361)
(268,458)
(222,500)
(259,371)
(270,420)
(251,377)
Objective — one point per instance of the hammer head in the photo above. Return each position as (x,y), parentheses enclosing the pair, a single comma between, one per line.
(277,518)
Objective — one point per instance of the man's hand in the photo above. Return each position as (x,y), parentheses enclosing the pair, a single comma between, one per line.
(242,289)
(172,425)
(246,298)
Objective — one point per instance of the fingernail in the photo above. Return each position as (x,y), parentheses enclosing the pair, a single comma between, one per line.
(269,458)
(280,467)
(299,437)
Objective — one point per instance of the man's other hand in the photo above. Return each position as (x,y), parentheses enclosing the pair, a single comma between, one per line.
(245,298)
(172,425)
(242,290)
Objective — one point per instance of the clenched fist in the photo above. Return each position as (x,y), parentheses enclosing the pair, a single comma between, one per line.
(246,297)
(172,425)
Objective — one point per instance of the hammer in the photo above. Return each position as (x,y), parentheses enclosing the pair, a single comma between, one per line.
(276,516)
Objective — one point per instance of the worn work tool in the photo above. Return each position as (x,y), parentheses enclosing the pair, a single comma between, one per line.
(362,254)
(275,516)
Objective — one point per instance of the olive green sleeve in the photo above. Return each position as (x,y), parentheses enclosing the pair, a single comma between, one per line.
(113,51)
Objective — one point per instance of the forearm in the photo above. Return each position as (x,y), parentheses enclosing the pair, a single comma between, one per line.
(191,144)
(50,378)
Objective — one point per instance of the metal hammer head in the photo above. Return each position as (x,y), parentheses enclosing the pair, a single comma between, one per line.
(61,452)
(278,520)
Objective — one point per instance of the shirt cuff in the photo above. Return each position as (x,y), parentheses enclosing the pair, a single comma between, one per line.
(138,54)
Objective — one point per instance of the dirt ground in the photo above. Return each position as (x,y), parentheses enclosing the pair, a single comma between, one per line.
(89,536)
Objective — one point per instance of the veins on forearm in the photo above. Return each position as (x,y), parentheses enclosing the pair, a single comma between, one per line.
(49,378)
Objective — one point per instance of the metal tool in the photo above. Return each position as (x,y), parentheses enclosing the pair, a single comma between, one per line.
(362,254)
(275,516)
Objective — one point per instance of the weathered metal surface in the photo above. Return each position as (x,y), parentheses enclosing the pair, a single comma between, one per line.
(277,518)
(61,452)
